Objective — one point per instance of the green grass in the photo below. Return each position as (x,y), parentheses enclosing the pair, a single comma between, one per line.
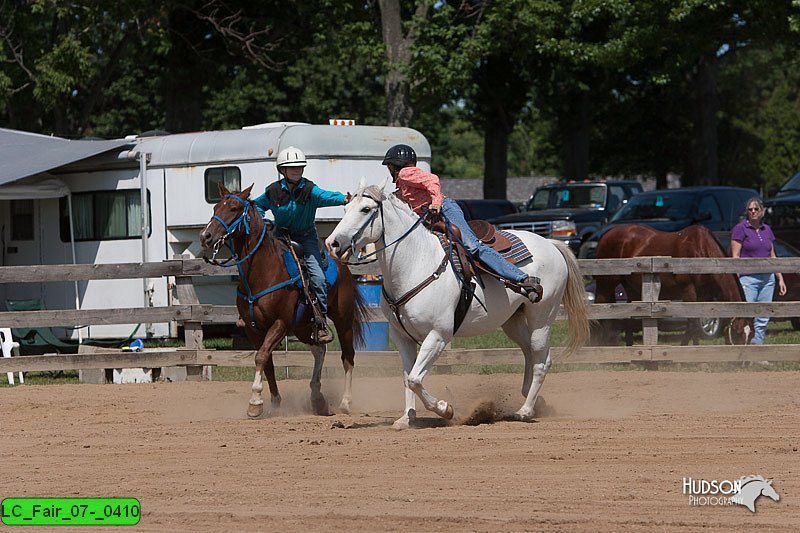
(778,332)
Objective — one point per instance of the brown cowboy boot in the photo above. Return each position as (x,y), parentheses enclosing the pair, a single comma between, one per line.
(532,288)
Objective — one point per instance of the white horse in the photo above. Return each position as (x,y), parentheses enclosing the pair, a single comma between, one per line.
(409,254)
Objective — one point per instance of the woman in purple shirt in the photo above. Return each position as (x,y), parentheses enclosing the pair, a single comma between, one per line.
(753,238)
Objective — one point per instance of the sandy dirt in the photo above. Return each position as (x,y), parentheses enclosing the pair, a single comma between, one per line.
(609,454)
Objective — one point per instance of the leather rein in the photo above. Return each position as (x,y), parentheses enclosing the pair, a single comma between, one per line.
(395,304)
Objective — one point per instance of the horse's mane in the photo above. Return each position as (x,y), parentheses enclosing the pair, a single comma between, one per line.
(748,479)
(272,241)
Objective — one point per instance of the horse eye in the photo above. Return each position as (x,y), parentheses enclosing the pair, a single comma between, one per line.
(366,210)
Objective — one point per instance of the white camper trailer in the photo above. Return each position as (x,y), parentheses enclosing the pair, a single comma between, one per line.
(181,172)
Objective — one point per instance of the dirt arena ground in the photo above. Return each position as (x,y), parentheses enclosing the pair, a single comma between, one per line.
(609,455)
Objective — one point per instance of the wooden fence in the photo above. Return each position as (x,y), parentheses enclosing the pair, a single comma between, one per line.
(192,315)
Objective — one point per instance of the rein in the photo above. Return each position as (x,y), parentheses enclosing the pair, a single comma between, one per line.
(360,258)
(244,221)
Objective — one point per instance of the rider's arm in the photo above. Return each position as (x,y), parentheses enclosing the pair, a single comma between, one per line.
(263,205)
(323,198)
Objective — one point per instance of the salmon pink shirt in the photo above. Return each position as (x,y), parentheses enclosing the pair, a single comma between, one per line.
(418,188)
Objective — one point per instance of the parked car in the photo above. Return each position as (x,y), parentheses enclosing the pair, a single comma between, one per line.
(571,211)
(783,211)
(718,208)
(486,209)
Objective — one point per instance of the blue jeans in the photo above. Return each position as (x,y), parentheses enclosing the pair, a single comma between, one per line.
(309,240)
(489,256)
(758,288)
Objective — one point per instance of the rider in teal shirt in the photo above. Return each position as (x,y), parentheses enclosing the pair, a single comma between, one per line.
(293,201)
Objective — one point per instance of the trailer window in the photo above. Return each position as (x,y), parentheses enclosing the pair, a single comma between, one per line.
(231,178)
(21,220)
(105,215)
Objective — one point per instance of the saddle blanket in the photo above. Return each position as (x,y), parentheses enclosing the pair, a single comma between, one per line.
(516,254)
(331,270)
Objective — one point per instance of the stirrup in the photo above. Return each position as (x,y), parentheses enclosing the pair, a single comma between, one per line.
(323,336)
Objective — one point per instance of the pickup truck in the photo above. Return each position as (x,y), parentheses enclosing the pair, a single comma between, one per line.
(571,211)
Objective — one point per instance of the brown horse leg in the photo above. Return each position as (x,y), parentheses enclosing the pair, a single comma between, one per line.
(318,402)
(264,363)
(348,363)
(689,294)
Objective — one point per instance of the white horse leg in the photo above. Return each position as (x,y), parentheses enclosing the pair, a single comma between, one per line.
(408,354)
(431,347)
(539,363)
(347,396)
(526,412)
(517,330)
(318,402)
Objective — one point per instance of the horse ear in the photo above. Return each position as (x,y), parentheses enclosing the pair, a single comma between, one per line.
(362,182)
(223,191)
(382,185)
(246,192)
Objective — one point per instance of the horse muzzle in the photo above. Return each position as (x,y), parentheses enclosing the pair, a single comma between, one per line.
(335,249)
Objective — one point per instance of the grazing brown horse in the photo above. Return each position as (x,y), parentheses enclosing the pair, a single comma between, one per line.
(268,299)
(633,240)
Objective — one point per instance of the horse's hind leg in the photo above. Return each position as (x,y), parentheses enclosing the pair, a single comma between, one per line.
(318,402)
(264,363)
(537,363)
(517,330)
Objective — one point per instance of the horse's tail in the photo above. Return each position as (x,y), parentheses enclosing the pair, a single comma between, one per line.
(574,302)
(360,310)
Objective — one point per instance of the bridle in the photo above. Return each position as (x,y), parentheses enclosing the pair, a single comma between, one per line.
(370,220)
(243,221)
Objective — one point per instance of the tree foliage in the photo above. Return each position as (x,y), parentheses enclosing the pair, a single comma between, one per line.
(706,89)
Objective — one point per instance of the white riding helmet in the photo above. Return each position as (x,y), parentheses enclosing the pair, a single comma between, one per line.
(291,157)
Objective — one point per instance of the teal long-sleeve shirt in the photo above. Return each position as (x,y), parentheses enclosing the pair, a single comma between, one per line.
(296,216)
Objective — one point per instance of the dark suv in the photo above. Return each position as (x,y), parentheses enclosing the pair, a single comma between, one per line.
(571,211)
(783,211)
(717,208)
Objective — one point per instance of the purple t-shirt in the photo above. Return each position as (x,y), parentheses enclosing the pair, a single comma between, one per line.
(755,242)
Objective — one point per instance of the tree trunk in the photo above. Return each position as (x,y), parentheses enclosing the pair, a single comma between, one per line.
(183,82)
(575,126)
(495,158)
(705,157)
(398,109)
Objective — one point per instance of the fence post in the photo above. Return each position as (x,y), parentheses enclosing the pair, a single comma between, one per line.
(192,330)
(651,287)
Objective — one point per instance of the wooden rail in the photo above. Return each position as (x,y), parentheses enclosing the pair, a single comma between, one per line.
(191,314)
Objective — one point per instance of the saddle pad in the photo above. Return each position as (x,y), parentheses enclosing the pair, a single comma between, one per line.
(456,260)
(518,251)
(331,273)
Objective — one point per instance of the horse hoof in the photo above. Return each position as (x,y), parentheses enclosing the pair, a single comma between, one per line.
(254,411)
(344,407)
(401,424)
(275,401)
(321,407)
(448,412)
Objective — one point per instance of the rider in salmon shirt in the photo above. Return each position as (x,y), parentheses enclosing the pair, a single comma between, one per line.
(420,189)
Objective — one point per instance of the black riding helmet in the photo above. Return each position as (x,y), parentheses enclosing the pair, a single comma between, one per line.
(401,155)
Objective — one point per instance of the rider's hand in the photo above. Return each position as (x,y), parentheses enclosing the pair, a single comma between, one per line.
(435,210)
(347,198)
